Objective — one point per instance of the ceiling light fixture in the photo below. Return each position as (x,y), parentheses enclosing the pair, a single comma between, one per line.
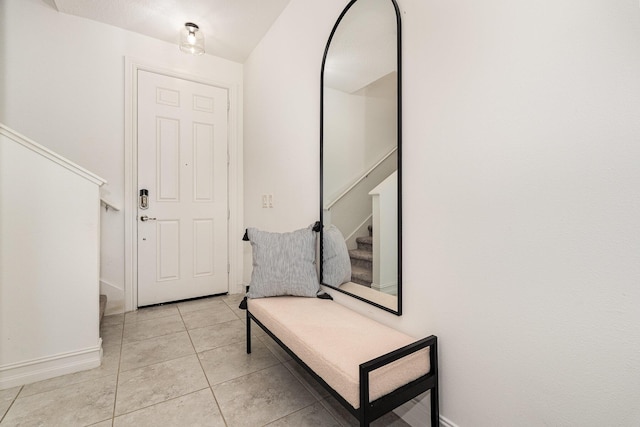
(192,39)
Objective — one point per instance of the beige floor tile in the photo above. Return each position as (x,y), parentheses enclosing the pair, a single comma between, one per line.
(154,312)
(346,419)
(274,347)
(255,329)
(218,335)
(311,416)
(6,399)
(261,397)
(144,329)
(234,297)
(114,319)
(232,361)
(195,409)
(157,383)
(75,405)
(233,300)
(200,304)
(391,420)
(111,335)
(338,411)
(161,379)
(213,315)
(154,350)
(240,314)
(306,379)
(109,367)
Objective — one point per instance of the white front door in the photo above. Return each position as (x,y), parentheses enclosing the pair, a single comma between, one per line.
(182,165)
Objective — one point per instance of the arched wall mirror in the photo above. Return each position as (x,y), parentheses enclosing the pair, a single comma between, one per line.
(360,140)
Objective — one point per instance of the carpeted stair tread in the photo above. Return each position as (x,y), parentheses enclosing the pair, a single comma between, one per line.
(362,260)
(368,240)
(365,243)
(362,273)
(361,254)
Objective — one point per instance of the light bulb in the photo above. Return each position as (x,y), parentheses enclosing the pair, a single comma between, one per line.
(191,40)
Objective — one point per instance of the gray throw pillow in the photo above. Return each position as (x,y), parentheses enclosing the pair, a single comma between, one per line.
(336,264)
(283,263)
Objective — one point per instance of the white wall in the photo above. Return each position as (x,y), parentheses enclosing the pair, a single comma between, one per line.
(343,142)
(363,130)
(282,115)
(62,84)
(521,209)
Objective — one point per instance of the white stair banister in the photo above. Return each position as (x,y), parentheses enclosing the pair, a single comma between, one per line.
(49,263)
(385,235)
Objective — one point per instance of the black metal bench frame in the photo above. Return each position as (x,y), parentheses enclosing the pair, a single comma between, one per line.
(370,411)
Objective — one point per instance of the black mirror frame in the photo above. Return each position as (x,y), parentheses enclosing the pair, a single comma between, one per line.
(397,312)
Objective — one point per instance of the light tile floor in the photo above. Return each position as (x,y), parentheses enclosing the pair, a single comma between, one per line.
(181,364)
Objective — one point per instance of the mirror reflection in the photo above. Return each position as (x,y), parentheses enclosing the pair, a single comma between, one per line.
(360,154)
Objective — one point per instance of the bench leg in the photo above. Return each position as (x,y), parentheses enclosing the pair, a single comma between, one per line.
(248,333)
(434,395)
(435,407)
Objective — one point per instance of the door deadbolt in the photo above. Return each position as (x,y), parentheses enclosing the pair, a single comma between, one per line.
(144,199)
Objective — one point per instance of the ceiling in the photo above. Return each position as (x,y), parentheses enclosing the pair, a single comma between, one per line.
(231,28)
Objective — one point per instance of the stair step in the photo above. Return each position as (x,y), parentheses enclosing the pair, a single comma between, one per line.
(362,276)
(103,306)
(361,258)
(362,273)
(361,254)
(365,243)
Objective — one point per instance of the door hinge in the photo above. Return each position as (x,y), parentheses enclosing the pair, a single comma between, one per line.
(228,268)
(228,214)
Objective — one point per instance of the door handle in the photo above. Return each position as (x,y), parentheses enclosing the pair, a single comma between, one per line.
(145,218)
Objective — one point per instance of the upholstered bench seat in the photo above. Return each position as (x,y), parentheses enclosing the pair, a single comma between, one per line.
(333,341)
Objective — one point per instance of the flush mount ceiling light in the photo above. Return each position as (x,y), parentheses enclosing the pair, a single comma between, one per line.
(191,39)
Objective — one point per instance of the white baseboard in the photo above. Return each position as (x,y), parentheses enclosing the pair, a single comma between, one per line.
(115,297)
(389,288)
(25,372)
(446,423)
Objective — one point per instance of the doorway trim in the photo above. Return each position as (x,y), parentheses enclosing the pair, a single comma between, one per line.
(234,170)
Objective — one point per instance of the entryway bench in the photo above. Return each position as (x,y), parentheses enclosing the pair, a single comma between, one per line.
(368,367)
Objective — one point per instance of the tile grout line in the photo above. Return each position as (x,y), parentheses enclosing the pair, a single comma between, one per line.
(115,394)
(151,338)
(203,371)
(318,399)
(11,404)
(327,407)
(159,403)
(120,362)
(302,409)
(305,384)
(278,362)
(166,306)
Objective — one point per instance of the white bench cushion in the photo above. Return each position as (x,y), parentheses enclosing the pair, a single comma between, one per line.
(334,340)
